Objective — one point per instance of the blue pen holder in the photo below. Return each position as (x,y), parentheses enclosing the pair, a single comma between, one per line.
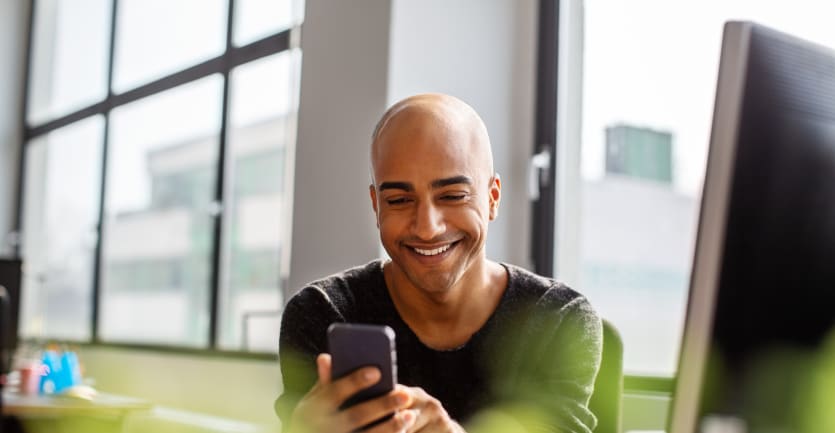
(62,371)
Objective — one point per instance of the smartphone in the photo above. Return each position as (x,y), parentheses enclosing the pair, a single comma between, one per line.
(353,346)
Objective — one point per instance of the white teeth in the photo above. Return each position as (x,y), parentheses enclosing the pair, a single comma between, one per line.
(433,252)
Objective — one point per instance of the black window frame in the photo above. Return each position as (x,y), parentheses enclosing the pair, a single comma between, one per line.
(543,211)
(223,64)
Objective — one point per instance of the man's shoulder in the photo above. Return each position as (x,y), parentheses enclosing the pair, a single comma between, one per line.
(547,304)
(363,274)
(529,284)
(546,295)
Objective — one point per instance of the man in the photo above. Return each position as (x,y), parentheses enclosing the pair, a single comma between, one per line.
(472,335)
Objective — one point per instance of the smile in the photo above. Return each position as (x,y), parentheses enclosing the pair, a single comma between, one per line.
(433,252)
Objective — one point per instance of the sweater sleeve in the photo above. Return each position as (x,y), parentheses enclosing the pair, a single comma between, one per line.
(546,367)
(304,326)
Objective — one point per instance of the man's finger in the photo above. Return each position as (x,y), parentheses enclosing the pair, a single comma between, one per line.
(323,365)
(429,413)
(349,385)
(401,421)
(369,411)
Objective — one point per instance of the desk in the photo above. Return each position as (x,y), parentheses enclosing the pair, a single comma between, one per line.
(107,412)
(102,404)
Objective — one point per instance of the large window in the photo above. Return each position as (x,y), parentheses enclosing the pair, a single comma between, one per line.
(156,180)
(648,76)
(61,212)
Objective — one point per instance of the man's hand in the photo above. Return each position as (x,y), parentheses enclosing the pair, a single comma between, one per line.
(431,415)
(318,411)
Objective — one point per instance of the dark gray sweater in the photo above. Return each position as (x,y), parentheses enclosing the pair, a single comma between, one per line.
(539,350)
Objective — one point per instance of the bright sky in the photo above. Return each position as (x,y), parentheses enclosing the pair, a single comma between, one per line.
(71,65)
(654,63)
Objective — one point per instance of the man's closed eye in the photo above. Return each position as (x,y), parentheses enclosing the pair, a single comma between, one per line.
(397,201)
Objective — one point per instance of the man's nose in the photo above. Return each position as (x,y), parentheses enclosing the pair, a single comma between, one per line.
(429,222)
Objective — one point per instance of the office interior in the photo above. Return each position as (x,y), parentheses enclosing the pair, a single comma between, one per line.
(607,116)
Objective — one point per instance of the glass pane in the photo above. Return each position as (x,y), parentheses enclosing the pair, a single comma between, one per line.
(261,139)
(159,216)
(70,42)
(255,19)
(649,81)
(159,37)
(60,217)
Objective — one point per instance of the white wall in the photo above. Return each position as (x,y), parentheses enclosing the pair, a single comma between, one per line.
(345,56)
(13,27)
(484,52)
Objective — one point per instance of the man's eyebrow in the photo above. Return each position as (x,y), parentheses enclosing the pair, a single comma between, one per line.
(405,186)
(440,183)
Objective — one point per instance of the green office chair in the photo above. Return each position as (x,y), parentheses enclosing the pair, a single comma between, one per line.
(606,398)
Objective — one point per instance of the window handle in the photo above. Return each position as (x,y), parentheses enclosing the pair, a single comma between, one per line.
(214,209)
(539,168)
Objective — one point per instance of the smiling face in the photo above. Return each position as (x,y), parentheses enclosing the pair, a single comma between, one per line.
(434,191)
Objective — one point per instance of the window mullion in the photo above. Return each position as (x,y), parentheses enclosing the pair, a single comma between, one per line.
(24,107)
(543,207)
(108,102)
(217,247)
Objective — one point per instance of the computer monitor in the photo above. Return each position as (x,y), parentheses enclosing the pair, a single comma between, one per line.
(762,291)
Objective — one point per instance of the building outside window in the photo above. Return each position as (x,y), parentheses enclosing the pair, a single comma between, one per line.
(648,80)
(157,178)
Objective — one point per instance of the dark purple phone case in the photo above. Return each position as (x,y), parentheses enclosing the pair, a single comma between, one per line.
(353,346)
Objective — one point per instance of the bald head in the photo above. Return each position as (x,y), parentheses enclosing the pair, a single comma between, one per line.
(448,123)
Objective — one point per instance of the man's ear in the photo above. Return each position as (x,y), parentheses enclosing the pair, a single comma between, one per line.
(495,195)
(372,192)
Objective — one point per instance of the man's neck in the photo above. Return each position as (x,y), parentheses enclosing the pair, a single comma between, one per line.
(447,319)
